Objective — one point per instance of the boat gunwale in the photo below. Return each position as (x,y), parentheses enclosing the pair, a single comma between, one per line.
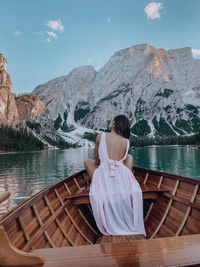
(169,175)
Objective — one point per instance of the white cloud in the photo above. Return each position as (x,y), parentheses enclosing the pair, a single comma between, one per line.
(52,34)
(108,20)
(196,52)
(17,33)
(55,25)
(152,10)
(48,40)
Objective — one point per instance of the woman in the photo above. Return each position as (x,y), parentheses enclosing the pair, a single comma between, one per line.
(115,194)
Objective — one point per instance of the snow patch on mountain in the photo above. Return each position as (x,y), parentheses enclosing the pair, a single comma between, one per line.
(158,90)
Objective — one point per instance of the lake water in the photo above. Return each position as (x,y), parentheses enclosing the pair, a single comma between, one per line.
(24,174)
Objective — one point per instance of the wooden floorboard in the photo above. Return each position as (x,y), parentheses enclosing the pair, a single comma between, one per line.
(174,251)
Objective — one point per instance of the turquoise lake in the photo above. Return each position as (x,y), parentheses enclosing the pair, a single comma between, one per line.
(24,174)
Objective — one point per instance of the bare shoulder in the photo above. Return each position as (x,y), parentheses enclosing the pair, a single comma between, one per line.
(98,138)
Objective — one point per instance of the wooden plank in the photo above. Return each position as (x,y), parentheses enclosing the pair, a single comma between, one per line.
(188,210)
(182,200)
(26,234)
(57,237)
(86,221)
(165,231)
(44,226)
(193,225)
(151,206)
(173,251)
(78,228)
(30,221)
(57,221)
(166,212)
(19,241)
(64,232)
(79,240)
(171,223)
(49,239)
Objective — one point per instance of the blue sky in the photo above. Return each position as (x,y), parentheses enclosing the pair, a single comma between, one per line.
(44,39)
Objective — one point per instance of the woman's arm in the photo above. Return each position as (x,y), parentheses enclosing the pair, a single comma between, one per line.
(96,150)
(128,162)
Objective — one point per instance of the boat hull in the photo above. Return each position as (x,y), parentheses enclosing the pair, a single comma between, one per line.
(51,220)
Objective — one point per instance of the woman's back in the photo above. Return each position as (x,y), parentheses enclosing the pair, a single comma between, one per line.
(116,146)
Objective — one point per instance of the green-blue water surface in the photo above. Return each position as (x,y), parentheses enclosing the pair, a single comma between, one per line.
(24,174)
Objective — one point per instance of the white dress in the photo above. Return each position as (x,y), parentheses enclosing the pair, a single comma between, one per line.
(116,196)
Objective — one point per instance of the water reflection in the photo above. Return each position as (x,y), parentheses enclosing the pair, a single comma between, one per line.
(177,160)
(24,174)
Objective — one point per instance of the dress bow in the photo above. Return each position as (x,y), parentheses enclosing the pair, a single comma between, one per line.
(112,166)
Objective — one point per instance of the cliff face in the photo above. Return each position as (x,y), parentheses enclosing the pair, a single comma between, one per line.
(14,110)
(62,94)
(8,110)
(158,90)
(29,106)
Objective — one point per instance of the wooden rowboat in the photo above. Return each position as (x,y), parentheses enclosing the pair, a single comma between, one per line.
(56,227)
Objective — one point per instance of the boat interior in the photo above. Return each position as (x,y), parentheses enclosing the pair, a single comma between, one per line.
(61,215)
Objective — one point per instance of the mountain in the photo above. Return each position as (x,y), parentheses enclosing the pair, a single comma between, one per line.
(15,110)
(158,90)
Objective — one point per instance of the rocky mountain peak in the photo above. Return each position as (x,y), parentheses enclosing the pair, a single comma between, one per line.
(158,89)
(13,110)
(8,110)
(5,80)
(67,90)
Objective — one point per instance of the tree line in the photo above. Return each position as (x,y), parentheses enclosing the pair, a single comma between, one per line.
(13,139)
(167,140)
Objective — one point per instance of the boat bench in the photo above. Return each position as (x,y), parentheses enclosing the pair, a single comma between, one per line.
(148,192)
(118,238)
(168,251)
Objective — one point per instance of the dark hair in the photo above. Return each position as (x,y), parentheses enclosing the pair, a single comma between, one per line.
(122,126)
